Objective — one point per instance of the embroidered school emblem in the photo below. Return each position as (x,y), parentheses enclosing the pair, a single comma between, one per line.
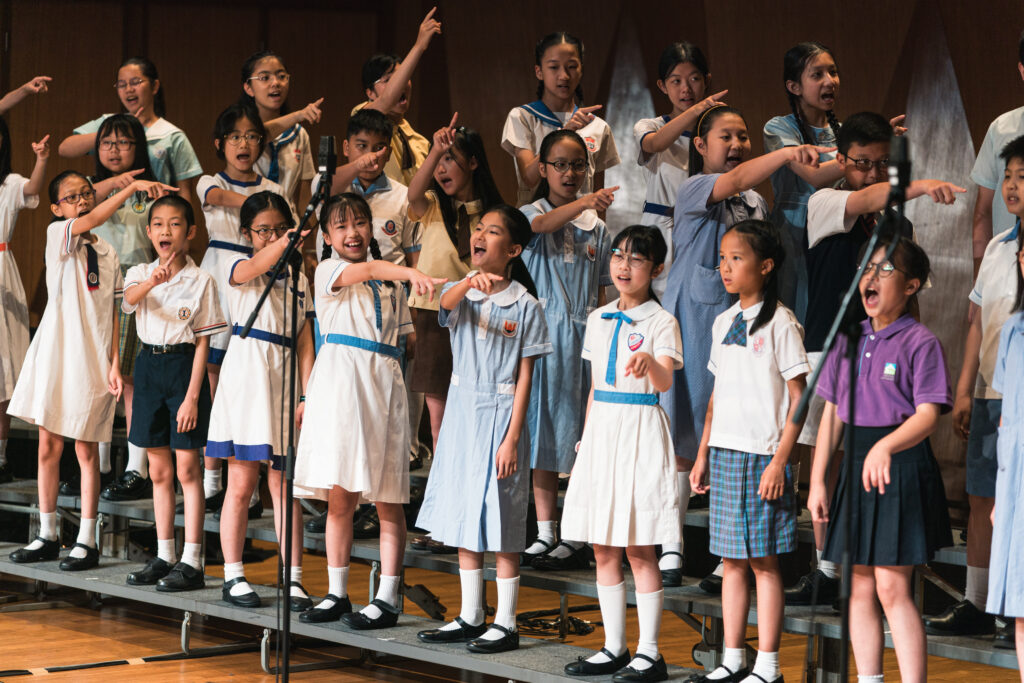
(184,313)
(390,229)
(889,372)
(591,143)
(591,252)
(634,341)
(509,328)
(94,278)
(758,345)
(298,155)
(139,202)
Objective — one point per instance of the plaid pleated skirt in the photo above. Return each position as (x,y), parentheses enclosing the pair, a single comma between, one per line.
(741,524)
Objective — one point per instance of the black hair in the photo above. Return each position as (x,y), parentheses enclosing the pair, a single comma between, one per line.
(375,67)
(518,227)
(5,151)
(148,69)
(793,65)
(545,148)
(249,66)
(704,123)
(175,202)
(647,241)
(227,119)
(557,38)
(764,239)
(1018,304)
(683,52)
(863,128)
(909,258)
(130,127)
(1014,149)
(262,201)
(371,121)
(54,187)
(469,145)
(338,206)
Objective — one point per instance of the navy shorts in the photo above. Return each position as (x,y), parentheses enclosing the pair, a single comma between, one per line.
(981,447)
(161,382)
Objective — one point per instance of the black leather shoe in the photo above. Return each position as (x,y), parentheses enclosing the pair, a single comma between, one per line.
(962,619)
(671,578)
(249,599)
(297,603)
(154,570)
(333,613)
(317,525)
(581,667)
(48,552)
(131,486)
(367,525)
(657,671)
(578,558)
(509,641)
(711,584)
(464,633)
(183,577)
(214,502)
(1006,638)
(733,677)
(526,559)
(77,564)
(361,622)
(72,487)
(802,593)
(761,678)
(439,548)
(5,473)
(419,542)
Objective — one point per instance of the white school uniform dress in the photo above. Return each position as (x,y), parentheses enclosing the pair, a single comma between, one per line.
(527,125)
(357,431)
(226,242)
(664,172)
(466,505)
(623,489)
(246,420)
(63,383)
(287,160)
(14,312)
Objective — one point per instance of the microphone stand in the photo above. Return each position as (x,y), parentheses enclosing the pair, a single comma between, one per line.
(899,178)
(291,366)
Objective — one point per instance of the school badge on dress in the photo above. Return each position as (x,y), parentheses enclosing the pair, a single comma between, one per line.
(758,345)
(390,229)
(591,251)
(634,341)
(509,328)
(184,313)
(139,202)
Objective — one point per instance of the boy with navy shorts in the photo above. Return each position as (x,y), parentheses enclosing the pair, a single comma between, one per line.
(177,310)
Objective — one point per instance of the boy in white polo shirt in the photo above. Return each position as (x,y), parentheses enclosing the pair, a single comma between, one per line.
(177,310)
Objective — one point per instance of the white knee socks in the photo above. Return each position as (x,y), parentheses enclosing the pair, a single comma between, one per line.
(648,615)
(613,614)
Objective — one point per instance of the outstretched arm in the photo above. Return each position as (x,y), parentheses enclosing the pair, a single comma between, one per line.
(105,209)
(403,73)
(751,173)
(35,181)
(37,86)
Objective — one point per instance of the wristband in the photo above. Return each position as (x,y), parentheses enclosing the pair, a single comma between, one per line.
(302,399)
(471,274)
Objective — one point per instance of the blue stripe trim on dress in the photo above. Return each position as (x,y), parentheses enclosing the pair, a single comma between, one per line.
(249,453)
(625,397)
(659,209)
(360,343)
(239,183)
(230,246)
(262,335)
(216,356)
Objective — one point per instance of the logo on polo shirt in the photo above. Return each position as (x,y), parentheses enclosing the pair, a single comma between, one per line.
(591,143)
(390,229)
(94,278)
(591,252)
(634,341)
(889,372)
(184,313)
(758,345)
(509,328)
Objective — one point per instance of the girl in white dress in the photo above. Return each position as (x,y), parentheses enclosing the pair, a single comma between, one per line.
(623,491)
(16,193)
(356,441)
(246,421)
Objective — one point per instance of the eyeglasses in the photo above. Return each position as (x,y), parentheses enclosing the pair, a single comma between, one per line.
(577,165)
(865,165)
(265,231)
(883,270)
(632,260)
(73,198)
(134,82)
(123,145)
(265,76)
(249,139)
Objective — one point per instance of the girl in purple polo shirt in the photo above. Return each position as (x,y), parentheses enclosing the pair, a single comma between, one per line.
(899,508)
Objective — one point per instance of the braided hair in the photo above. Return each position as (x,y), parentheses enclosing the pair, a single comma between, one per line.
(793,64)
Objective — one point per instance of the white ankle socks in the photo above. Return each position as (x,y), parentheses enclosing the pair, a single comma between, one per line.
(86,536)
(337,585)
(138,461)
(190,555)
(48,525)
(766,665)
(733,659)
(827,568)
(613,614)
(545,532)
(211,482)
(719,569)
(165,550)
(255,497)
(472,613)
(561,551)
(235,570)
(505,614)
(387,591)
(870,678)
(977,586)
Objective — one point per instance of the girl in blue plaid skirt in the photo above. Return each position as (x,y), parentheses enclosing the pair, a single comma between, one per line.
(759,364)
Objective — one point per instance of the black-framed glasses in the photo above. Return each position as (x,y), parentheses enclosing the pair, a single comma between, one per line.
(134,82)
(265,231)
(865,165)
(265,76)
(632,260)
(237,139)
(561,165)
(123,145)
(884,270)
(74,198)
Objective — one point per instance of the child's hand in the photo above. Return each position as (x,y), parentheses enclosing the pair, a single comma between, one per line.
(699,475)
(372,161)
(638,365)
(506,459)
(962,416)
(897,124)
(600,200)
(709,102)
(37,86)
(808,155)
(300,413)
(581,117)
(125,179)
(115,383)
(310,114)
(444,138)
(138,112)
(162,273)
(484,281)
(942,192)
(428,29)
(817,503)
(154,189)
(188,414)
(42,149)
(876,469)
(773,482)
(421,284)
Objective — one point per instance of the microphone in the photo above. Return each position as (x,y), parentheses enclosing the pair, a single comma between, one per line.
(899,168)
(327,159)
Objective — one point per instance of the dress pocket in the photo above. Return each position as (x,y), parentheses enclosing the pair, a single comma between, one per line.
(706,286)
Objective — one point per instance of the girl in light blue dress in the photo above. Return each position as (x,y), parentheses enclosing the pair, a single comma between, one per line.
(567,257)
(477,494)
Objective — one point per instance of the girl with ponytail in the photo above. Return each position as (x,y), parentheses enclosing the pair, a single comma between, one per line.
(356,437)
(759,364)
